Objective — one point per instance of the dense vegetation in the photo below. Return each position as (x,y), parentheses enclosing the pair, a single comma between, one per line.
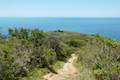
(24,51)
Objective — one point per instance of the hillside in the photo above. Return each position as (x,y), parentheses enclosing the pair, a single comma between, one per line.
(31,54)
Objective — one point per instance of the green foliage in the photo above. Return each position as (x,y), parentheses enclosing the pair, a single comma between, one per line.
(59,30)
(21,33)
(1,36)
(25,50)
(55,44)
(36,74)
(108,41)
(83,72)
(102,59)
(58,65)
(43,57)
(76,43)
(50,54)
(37,36)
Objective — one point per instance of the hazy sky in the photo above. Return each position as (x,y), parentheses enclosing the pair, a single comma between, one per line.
(60,8)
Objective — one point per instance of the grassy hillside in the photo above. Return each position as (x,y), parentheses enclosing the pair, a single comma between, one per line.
(29,54)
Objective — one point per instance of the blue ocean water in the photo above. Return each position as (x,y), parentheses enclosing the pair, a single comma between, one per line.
(109,27)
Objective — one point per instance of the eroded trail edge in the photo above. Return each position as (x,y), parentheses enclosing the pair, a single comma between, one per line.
(68,71)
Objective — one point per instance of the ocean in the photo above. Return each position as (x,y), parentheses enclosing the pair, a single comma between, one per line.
(109,27)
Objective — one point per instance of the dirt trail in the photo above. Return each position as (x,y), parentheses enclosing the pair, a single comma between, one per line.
(68,71)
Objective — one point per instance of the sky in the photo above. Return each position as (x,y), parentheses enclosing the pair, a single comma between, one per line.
(59,8)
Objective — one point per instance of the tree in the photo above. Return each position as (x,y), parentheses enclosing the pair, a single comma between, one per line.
(21,33)
(37,36)
(55,44)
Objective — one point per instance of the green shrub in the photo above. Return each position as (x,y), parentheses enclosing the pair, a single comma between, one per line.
(55,44)
(76,43)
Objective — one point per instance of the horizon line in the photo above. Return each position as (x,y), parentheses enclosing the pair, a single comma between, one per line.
(50,17)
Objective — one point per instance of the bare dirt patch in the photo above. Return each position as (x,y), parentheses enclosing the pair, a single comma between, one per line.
(68,71)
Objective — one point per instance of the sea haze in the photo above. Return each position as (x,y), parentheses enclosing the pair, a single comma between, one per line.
(109,27)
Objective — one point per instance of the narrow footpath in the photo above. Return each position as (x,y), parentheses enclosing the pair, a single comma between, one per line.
(67,72)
